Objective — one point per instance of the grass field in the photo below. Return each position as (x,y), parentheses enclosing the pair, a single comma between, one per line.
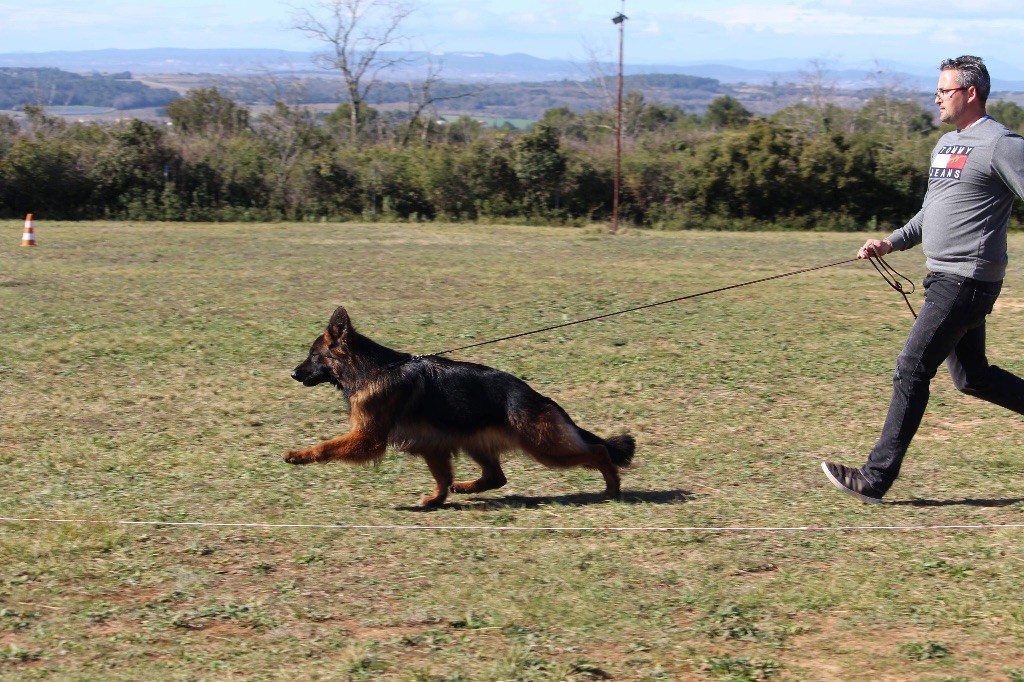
(144,375)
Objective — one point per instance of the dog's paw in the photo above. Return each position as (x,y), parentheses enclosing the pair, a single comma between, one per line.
(432,501)
(297,457)
(479,485)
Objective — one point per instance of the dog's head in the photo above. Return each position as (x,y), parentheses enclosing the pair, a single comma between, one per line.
(328,358)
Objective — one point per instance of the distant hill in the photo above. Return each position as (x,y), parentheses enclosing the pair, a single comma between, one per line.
(53,87)
(475,84)
(158,60)
(486,67)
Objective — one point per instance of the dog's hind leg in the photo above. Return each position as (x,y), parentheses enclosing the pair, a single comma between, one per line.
(559,455)
(552,439)
(491,475)
(440,465)
(612,482)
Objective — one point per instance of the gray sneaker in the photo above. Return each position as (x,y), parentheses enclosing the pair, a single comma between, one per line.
(851,482)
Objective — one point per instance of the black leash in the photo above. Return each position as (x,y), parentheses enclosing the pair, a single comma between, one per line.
(650,305)
(892,278)
(888,273)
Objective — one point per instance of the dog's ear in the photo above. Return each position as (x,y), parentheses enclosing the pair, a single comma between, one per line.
(337,328)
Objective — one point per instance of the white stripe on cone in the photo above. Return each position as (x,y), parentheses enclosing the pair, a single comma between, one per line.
(28,237)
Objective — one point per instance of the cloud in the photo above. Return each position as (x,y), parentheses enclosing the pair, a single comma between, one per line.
(977,9)
(651,28)
(796,19)
(63,25)
(40,19)
(848,18)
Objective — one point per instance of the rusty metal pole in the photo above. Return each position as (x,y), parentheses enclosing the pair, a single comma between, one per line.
(620,20)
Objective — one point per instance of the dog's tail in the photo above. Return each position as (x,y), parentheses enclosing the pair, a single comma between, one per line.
(620,448)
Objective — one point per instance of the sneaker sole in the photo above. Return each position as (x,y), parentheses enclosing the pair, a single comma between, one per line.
(852,493)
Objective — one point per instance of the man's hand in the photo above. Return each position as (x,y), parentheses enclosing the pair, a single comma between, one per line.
(874,247)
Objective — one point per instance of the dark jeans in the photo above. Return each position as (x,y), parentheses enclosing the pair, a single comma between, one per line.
(950,327)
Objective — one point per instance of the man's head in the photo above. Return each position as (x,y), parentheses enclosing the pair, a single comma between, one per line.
(963,88)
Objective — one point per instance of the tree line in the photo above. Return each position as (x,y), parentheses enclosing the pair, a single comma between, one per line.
(804,167)
(53,87)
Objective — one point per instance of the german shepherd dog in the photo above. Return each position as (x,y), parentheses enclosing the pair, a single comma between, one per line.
(434,407)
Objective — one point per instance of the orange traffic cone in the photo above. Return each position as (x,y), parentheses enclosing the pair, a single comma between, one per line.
(28,237)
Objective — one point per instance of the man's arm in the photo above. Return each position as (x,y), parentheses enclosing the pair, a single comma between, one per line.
(1008,162)
(909,235)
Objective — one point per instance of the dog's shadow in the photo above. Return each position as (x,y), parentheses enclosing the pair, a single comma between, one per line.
(966,502)
(570,500)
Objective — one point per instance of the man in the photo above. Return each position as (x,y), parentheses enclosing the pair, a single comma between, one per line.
(975,172)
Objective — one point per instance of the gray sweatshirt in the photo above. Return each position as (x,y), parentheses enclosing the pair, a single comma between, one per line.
(974,175)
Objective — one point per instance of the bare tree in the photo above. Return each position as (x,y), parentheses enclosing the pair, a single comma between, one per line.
(424,98)
(596,81)
(821,87)
(597,75)
(357,34)
(888,83)
(819,83)
(891,106)
(289,132)
(271,87)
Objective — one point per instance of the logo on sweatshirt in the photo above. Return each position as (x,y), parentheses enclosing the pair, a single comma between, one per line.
(950,161)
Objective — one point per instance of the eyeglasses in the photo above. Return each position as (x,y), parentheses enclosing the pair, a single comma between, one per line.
(943,92)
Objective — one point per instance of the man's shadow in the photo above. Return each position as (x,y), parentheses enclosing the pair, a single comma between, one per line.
(966,502)
(569,500)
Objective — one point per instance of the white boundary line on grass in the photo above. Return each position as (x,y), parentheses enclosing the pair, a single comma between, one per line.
(526,529)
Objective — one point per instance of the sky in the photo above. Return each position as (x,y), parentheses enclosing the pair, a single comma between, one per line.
(657,32)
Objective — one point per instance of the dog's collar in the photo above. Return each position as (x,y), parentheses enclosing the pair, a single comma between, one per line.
(411,358)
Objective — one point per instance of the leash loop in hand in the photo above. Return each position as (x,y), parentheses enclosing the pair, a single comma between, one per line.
(893,278)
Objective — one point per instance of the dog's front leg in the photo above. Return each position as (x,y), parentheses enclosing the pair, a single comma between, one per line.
(354,446)
(440,465)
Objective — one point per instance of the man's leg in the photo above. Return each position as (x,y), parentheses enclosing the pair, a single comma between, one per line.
(972,374)
(943,321)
